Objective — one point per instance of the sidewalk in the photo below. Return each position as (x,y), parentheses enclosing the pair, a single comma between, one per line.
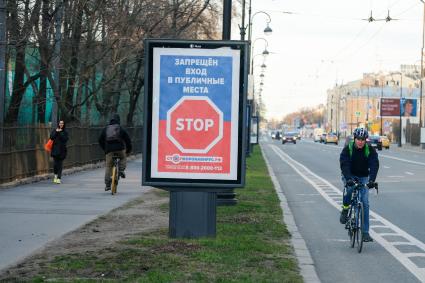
(34,214)
(407,147)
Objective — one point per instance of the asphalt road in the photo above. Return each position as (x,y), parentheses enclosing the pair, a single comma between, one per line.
(309,176)
(32,215)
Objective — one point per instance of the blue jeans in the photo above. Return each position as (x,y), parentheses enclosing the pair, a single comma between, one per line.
(364,197)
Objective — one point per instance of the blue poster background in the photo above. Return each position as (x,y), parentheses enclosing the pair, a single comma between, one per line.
(170,93)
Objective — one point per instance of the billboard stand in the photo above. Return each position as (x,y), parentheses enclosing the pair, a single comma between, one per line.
(192,213)
(194,138)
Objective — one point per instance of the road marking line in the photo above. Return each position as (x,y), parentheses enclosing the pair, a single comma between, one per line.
(393,157)
(387,167)
(316,181)
(305,261)
(409,173)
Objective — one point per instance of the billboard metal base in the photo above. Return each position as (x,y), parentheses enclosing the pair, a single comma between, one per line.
(192,214)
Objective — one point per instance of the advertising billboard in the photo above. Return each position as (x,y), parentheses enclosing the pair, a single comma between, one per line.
(194,113)
(408,107)
(392,107)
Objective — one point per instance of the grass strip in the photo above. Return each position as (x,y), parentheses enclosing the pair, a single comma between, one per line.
(252,245)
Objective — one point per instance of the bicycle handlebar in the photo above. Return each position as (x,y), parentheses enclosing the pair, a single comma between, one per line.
(375,186)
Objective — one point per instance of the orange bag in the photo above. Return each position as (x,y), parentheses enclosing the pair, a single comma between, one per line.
(48,146)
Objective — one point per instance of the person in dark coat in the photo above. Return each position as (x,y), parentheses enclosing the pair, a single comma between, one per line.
(60,138)
(115,142)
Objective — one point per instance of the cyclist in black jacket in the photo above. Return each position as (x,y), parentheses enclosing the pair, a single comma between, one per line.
(115,142)
(358,161)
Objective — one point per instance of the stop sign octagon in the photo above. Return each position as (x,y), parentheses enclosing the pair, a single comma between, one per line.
(194,124)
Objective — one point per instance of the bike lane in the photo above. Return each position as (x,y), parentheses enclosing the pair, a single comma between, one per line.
(34,214)
(317,213)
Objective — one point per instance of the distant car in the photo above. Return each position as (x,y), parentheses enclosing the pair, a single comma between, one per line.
(331,138)
(273,135)
(289,137)
(375,141)
(323,137)
(385,142)
(317,138)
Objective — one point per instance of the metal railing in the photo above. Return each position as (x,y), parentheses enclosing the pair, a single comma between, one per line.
(23,153)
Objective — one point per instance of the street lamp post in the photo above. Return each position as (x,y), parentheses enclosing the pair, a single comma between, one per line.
(401,96)
(421,116)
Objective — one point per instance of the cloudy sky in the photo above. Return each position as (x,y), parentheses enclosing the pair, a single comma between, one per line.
(317,44)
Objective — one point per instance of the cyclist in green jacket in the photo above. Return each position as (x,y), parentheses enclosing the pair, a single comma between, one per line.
(358,161)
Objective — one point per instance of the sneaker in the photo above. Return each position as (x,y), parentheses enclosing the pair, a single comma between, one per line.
(122,174)
(343,218)
(55,178)
(107,188)
(367,237)
(58,181)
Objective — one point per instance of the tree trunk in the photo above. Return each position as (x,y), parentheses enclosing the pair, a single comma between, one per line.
(18,86)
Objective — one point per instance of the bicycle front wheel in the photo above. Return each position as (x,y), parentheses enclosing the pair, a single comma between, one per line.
(114,178)
(360,227)
(352,229)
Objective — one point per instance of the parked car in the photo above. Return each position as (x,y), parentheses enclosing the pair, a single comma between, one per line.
(385,142)
(375,141)
(331,138)
(289,137)
(317,138)
(323,137)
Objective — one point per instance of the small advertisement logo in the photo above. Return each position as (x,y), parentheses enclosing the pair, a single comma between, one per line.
(176,159)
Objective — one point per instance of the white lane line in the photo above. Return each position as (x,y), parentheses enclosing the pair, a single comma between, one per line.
(318,183)
(395,176)
(402,159)
(387,167)
(409,173)
(392,157)
(305,261)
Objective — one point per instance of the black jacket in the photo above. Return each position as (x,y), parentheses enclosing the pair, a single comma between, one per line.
(124,143)
(59,144)
(358,165)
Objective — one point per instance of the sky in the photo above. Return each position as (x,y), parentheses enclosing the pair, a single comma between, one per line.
(318,44)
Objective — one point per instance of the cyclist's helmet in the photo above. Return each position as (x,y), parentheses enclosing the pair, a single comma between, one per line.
(360,133)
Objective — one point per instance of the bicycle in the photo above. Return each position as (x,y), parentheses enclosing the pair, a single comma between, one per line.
(355,222)
(115,175)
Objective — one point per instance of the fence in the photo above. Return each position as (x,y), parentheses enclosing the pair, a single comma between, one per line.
(23,153)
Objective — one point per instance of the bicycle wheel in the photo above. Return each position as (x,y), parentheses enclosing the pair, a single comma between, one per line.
(114,178)
(360,228)
(352,231)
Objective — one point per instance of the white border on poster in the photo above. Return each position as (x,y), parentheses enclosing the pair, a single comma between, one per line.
(156,94)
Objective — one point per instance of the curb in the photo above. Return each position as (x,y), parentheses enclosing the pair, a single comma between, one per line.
(68,171)
(305,261)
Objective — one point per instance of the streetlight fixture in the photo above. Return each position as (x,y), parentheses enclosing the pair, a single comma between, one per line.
(267,30)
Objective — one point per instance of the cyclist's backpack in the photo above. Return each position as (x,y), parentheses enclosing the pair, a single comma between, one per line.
(113,133)
(366,151)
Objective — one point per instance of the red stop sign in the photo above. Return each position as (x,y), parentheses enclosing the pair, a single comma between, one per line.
(194,124)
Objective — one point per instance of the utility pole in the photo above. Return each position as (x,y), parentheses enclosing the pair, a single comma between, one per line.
(3,72)
(421,116)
